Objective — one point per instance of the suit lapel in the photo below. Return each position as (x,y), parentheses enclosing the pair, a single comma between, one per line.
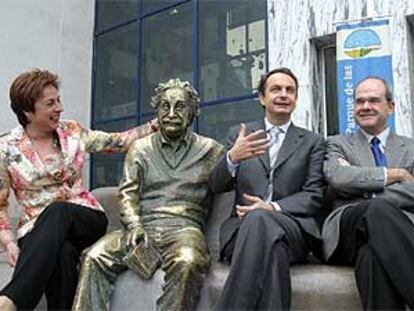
(64,145)
(24,145)
(362,149)
(264,158)
(292,141)
(394,150)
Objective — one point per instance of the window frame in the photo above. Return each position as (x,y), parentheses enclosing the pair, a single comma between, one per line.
(141,16)
(324,92)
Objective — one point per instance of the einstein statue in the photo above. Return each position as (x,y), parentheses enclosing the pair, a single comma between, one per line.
(164,199)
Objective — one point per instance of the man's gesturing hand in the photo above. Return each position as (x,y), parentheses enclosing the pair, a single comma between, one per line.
(250,145)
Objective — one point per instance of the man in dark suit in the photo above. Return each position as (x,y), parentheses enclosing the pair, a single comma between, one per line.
(370,176)
(276,170)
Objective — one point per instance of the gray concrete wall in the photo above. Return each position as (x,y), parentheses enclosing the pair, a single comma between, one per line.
(50,34)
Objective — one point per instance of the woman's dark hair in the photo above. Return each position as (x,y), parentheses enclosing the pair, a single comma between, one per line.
(26,90)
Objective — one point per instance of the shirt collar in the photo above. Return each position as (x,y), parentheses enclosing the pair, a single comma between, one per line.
(283,127)
(183,142)
(383,136)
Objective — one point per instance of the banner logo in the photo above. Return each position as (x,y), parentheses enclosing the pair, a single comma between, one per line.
(361,42)
(363,50)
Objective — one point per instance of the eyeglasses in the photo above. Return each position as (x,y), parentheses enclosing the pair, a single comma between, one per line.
(371,100)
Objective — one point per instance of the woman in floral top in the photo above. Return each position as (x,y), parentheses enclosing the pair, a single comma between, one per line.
(42,161)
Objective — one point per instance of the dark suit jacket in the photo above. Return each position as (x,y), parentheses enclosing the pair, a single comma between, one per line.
(298,179)
(352,184)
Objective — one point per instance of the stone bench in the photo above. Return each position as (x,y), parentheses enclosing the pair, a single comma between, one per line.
(314,287)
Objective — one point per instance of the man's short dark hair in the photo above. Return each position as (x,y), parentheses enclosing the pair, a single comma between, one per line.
(262,83)
(388,91)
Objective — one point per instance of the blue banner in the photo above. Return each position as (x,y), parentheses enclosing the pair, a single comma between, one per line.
(363,49)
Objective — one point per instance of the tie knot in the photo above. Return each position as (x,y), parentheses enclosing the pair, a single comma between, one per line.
(274,134)
(274,131)
(375,141)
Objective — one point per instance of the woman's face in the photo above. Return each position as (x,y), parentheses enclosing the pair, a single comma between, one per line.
(47,110)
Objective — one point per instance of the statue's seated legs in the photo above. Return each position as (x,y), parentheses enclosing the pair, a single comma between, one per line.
(101,264)
(185,261)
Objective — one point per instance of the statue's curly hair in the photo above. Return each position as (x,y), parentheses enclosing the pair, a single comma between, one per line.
(193,98)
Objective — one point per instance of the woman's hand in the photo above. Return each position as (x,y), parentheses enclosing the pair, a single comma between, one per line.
(148,128)
(154,125)
(142,131)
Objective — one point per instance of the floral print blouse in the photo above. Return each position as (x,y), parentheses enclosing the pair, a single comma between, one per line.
(37,183)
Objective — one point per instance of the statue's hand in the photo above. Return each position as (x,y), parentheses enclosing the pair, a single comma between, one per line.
(133,235)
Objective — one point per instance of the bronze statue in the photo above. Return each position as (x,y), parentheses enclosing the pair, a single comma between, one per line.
(164,199)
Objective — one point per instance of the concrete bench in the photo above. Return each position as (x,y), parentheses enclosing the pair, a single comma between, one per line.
(314,287)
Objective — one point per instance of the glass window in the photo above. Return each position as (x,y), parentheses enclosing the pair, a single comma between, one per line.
(117,125)
(107,170)
(215,120)
(151,5)
(135,51)
(116,73)
(148,117)
(115,12)
(167,49)
(232,47)
(107,167)
(331,99)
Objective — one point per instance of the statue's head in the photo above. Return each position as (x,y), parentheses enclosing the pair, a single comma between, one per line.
(176,102)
